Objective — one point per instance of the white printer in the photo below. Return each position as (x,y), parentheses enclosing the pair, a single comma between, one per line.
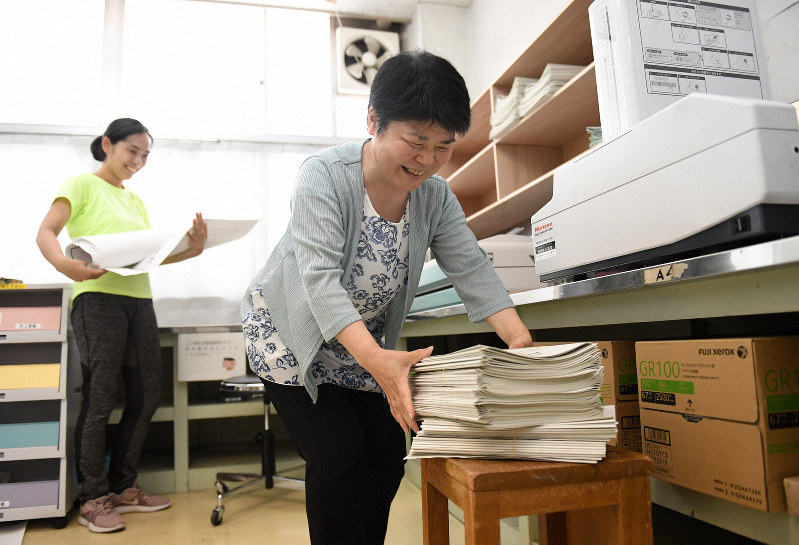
(511,256)
(705,174)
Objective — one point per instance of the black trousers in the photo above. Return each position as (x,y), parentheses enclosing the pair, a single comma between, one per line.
(354,452)
(117,338)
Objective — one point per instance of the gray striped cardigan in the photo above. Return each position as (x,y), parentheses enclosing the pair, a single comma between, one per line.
(303,279)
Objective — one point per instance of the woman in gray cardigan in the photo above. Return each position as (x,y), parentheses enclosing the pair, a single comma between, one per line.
(323,317)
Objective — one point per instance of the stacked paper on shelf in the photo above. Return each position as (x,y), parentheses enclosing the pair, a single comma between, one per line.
(506,111)
(594,136)
(539,403)
(553,78)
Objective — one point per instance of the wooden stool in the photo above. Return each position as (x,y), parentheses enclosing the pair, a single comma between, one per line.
(603,503)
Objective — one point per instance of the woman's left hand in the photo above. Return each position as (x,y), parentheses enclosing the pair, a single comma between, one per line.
(198,234)
(522,341)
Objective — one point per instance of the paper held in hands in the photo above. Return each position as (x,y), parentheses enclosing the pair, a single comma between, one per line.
(136,252)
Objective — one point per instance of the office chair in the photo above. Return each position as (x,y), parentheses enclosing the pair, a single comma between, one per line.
(248,387)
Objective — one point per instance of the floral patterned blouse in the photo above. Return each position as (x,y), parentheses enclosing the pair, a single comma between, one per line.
(381,269)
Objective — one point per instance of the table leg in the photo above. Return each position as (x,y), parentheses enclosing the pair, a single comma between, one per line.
(435,512)
(481,519)
(552,528)
(635,511)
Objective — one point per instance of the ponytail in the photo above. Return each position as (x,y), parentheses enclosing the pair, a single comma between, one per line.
(119,129)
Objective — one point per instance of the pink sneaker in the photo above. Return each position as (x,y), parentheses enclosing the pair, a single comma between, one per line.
(99,515)
(137,500)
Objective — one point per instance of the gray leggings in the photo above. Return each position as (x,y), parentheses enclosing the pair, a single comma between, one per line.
(117,338)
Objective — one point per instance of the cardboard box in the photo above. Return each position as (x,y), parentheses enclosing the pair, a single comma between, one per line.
(629,426)
(721,416)
(211,356)
(620,382)
(620,388)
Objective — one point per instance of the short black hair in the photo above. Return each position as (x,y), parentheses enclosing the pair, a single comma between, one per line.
(420,86)
(117,130)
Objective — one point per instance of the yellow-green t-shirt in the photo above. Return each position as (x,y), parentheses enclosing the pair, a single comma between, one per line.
(101,208)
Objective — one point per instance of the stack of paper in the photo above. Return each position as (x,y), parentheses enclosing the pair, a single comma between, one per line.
(506,108)
(537,403)
(594,136)
(553,78)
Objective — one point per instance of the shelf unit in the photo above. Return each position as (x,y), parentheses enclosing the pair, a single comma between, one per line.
(37,403)
(501,183)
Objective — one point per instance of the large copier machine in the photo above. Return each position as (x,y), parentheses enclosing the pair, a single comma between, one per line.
(706,174)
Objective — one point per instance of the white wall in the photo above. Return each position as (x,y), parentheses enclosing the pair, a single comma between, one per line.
(779,20)
(226,180)
(483,39)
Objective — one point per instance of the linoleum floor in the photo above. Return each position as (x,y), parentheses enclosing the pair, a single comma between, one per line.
(257,516)
(277,517)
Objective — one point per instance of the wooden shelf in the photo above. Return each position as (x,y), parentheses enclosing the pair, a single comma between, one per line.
(475,140)
(164,413)
(475,184)
(563,118)
(201,411)
(567,40)
(500,184)
(512,210)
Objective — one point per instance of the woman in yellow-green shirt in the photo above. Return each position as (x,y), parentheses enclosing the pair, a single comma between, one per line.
(114,325)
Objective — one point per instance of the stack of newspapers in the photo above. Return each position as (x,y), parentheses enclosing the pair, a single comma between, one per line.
(553,78)
(506,108)
(539,403)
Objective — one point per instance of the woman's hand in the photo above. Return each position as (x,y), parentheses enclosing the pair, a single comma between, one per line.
(522,341)
(510,328)
(47,240)
(391,369)
(78,270)
(198,234)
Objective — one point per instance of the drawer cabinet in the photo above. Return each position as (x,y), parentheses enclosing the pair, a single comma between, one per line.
(36,402)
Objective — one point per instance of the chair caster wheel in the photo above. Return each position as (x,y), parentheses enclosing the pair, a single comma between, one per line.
(216,515)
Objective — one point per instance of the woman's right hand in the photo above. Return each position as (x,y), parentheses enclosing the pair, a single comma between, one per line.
(78,270)
(391,369)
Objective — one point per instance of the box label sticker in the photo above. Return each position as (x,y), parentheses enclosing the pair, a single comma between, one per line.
(659,398)
(657,445)
(544,241)
(657,435)
(782,408)
(665,273)
(669,386)
(742,492)
(698,47)
(27,326)
(631,422)
(628,389)
(780,421)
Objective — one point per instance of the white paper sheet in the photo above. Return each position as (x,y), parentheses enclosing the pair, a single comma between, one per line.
(136,252)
